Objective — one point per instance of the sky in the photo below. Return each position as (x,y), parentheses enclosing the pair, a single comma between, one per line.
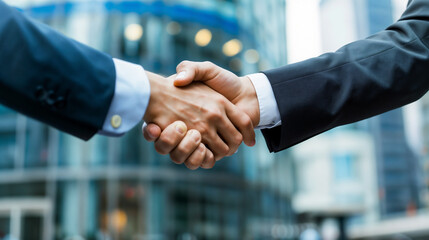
(304,30)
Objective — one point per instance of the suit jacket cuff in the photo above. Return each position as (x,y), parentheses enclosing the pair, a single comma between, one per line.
(130,100)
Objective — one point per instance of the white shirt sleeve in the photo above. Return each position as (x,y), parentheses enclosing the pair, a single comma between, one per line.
(132,93)
(269,111)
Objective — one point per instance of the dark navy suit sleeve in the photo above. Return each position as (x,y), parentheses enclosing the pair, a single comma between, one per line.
(52,78)
(360,80)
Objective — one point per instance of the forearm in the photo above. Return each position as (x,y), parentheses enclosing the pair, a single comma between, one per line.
(362,79)
(52,78)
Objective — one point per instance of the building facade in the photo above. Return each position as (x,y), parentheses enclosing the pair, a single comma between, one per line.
(425,151)
(54,186)
(336,180)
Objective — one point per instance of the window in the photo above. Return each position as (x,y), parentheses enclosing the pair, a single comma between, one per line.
(36,154)
(7,149)
(344,165)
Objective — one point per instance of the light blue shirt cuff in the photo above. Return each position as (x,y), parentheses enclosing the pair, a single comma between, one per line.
(269,111)
(132,93)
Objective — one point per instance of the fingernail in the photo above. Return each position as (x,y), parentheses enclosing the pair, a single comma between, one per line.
(181,75)
(252,143)
(180,128)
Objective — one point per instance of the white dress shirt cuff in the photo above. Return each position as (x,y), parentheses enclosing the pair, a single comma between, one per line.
(132,93)
(269,111)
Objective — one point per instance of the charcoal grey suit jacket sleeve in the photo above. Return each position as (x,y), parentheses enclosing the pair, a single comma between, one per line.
(360,80)
(52,78)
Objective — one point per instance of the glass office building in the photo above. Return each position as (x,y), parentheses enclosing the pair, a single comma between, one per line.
(54,186)
(393,209)
(425,150)
(397,166)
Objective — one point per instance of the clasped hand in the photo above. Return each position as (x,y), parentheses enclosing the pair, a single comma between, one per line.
(220,112)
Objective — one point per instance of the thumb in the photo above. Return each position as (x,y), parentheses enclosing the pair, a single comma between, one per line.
(186,73)
(189,72)
(151,131)
(184,78)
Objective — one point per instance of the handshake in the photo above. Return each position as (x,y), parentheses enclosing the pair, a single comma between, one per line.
(201,114)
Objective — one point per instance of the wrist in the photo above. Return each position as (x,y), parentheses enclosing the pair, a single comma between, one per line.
(156,86)
(249,102)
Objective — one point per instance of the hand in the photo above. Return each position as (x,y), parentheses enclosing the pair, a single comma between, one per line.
(238,90)
(183,147)
(202,109)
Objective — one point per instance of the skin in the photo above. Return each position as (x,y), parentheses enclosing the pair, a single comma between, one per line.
(213,121)
(238,90)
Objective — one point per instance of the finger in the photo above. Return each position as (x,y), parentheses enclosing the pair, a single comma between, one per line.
(184,78)
(186,147)
(209,160)
(196,159)
(195,71)
(242,122)
(229,132)
(213,141)
(151,131)
(170,137)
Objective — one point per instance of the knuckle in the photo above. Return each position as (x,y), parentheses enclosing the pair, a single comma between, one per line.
(223,151)
(191,165)
(183,64)
(163,144)
(166,142)
(197,159)
(210,156)
(214,115)
(203,129)
(238,139)
(209,163)
(176,158)
(208,63)
(159,149)
(180,151)
(226,150)
(178,155)
(210,159)
(232,151)
(220,100)
(247,122)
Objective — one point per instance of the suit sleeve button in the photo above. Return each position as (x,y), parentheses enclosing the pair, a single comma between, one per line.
(60,103)
(40,93)
(50,98)
(116,121)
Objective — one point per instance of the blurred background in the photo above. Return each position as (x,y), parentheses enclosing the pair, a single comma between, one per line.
(368,180)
